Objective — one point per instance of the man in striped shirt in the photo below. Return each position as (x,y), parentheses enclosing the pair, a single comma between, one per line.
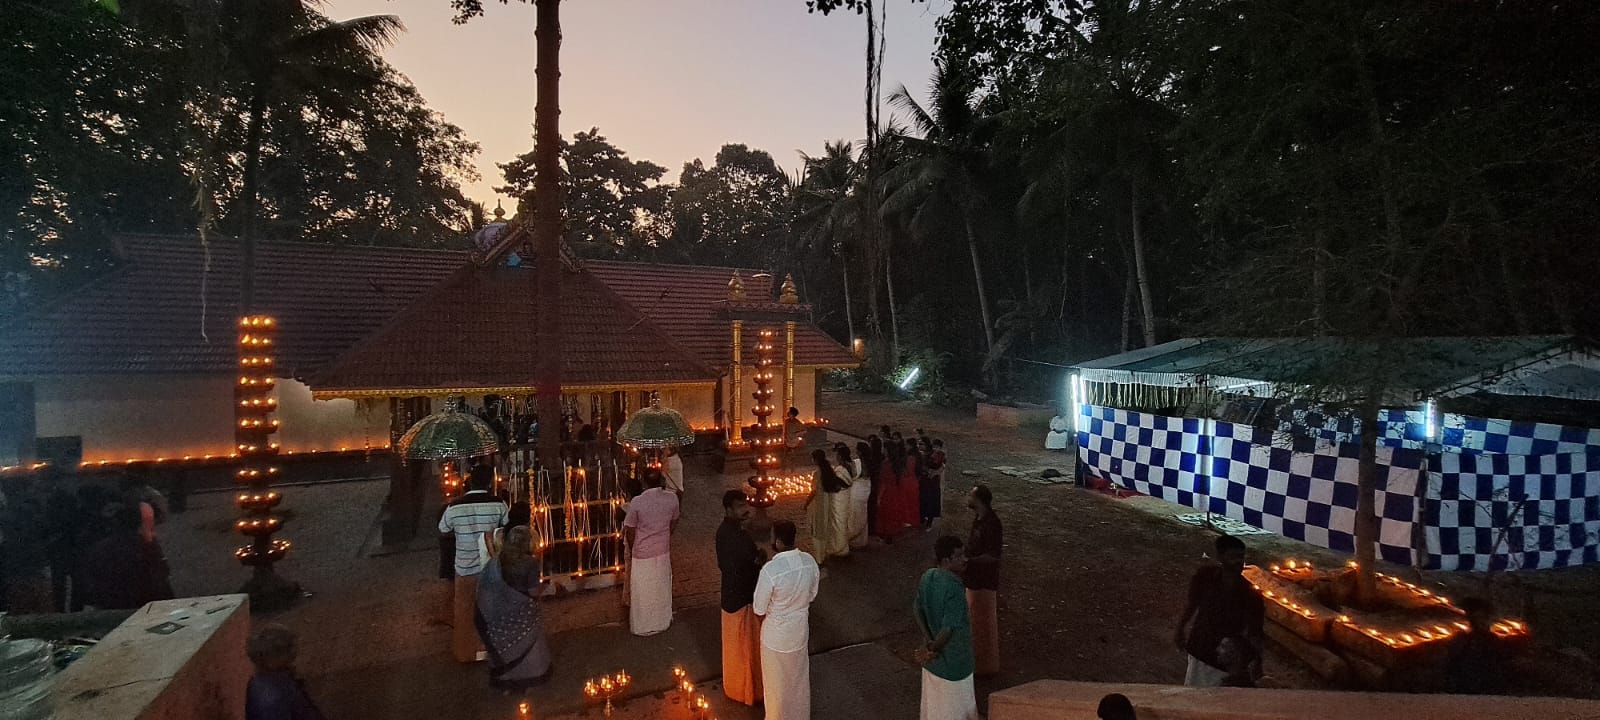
(473,518)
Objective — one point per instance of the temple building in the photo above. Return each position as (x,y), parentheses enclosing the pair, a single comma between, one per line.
(140,365)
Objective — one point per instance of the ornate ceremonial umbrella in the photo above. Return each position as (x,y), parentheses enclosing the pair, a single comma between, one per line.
(449,435)
(656,427)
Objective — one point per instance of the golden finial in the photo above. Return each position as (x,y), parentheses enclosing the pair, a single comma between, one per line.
(499,212)
(736,289)
(788,295)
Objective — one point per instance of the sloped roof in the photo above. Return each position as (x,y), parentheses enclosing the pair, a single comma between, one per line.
(477,332)
(1420,365)
(150,315)
(690,302)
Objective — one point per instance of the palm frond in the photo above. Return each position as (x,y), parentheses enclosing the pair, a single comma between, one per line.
(367,34)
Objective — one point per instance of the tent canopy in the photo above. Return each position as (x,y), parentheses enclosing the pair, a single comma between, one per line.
(1544,365)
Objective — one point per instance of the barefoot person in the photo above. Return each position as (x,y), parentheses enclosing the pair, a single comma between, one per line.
(510,620)
(784,591)
(1224,608)
(652,518)
(984,544)
(739,561)
(472,519)
(946,658)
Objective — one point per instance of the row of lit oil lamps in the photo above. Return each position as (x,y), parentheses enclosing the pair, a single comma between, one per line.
(1504,628)
(606,688)
(29,467)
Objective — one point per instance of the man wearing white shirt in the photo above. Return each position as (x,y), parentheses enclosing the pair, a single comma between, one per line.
(784,591)
(674,472)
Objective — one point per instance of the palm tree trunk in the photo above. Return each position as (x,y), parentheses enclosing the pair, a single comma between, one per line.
(249,196)
(1366,500)
(1148,317)
(894,317)
(1319,286)
(547,225)
(849,316)
(977,275)
(1128,291)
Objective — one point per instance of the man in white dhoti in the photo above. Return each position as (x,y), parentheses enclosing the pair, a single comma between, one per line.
(784,591)
(946,659)
(652,517)
(673,465)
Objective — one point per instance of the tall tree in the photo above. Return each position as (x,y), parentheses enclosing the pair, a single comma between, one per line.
(615,206)
(284,48)
(948,167)
(832,214)
(736,211)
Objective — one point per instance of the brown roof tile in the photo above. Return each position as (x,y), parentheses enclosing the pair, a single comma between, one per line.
(690,303)
(149,316)
(477,332)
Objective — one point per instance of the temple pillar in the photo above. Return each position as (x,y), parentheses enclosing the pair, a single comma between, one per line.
(735,426)
(788,367)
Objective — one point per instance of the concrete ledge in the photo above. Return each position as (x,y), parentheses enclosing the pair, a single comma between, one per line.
(1061,700)
(196,672)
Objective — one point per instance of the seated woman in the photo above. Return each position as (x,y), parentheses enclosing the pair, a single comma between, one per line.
(509,618)
(1060,435)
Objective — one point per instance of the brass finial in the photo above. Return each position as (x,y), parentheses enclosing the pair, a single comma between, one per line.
(788,295)
(736,289)
(499,212)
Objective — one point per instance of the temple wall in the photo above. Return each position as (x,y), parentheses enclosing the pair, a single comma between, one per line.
(170,416)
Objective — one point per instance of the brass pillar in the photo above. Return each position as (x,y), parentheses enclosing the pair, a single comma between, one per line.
(737,388)
(788,367)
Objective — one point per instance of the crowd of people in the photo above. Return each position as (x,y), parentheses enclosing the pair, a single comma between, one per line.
(95,541)
(887,487)
(877,493)
(883,488)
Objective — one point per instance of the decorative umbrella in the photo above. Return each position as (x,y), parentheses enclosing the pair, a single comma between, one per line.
(449,435)
(656,427)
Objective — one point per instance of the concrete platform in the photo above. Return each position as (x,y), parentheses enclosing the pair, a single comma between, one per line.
(1061,700)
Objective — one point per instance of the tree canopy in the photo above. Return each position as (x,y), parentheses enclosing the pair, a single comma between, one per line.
(109,119)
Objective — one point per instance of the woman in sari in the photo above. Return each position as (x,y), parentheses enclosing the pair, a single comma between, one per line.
(897,495)
(871,465)
(509,618)
(827,493)
(855,512)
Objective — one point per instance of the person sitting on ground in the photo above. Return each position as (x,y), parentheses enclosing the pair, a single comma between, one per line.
(1223,606)
(1115,706)
(274,692)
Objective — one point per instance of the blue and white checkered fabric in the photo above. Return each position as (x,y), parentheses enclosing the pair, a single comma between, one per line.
(1510,512)
(1235,471)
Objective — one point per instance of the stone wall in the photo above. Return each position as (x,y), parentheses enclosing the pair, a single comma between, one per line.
(196,672)
(1060,700)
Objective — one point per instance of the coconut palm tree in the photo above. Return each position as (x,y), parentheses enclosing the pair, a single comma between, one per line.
(283,49)
(828,199)
(946,167)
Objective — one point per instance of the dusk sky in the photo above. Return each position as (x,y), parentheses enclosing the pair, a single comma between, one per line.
(665,80)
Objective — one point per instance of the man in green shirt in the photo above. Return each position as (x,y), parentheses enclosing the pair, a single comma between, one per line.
(946,658)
